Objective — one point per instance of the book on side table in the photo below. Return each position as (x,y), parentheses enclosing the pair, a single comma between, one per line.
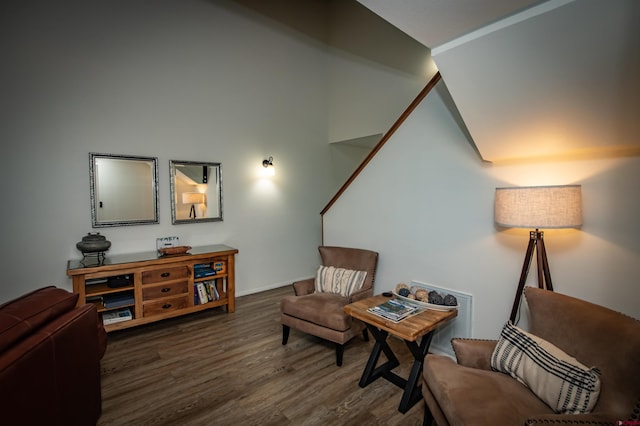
(394,310)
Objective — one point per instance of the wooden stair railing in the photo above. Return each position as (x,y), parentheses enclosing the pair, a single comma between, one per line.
(432,83)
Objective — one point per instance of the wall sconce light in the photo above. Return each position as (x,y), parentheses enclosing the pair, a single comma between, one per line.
(268,164)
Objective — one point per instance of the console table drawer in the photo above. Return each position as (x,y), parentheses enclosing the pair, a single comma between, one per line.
(167,305)
(172,289)
(166,274)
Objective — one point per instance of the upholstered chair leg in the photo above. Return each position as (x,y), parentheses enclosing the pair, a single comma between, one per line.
(365,335)
(339,353)
(285,334)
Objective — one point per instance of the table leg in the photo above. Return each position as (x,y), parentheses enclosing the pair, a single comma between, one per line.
(372,373)
(412,391)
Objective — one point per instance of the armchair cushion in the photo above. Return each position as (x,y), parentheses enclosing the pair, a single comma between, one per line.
(340,281)
(561,381)
(324,309)
(472,396)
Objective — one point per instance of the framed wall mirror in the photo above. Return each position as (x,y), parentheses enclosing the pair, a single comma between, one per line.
(196,191)
(124,190)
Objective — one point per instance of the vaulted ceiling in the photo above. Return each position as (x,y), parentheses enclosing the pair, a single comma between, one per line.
(534,79)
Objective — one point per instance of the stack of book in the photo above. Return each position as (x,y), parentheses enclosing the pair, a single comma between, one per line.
(205,291)
(203,270)
(394,310)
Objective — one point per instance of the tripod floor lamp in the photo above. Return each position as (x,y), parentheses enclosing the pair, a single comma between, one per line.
(537,207)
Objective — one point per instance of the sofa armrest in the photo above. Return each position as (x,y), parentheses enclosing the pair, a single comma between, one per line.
(53,376)
(599,419)
(474,353)
(304,287)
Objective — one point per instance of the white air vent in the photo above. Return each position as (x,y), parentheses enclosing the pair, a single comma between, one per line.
(460,326)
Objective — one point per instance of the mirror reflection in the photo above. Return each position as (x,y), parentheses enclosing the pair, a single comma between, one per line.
(124,190)
(196,191)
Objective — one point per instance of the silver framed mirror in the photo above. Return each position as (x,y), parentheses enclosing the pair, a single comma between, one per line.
(196,191)
(124,190)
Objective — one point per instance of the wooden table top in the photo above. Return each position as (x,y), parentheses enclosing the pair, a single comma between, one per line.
(410,328)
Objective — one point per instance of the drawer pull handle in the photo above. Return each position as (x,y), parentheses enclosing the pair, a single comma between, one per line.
(167,306)
(165,274)
(165,290)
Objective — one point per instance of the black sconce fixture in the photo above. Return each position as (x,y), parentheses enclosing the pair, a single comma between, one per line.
(268,164)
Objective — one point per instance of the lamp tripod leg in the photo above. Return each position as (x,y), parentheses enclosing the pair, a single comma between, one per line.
(543,265)
(536,243)
(523,276)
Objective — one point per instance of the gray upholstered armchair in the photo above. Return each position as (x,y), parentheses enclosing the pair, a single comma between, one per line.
(321,313)
(470,393)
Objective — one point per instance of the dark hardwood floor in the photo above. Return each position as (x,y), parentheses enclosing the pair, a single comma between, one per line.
(214,368)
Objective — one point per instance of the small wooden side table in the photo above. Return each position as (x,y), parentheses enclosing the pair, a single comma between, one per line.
(419,326)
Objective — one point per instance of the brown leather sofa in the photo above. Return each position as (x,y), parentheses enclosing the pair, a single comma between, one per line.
(50,353)
(470,393)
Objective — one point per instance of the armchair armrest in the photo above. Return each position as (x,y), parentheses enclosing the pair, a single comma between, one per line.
(594,419)
(304,287)
(361,294)
(474,353)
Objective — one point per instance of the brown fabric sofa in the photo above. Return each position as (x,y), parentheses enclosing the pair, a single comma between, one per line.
(50,353)
(470,393)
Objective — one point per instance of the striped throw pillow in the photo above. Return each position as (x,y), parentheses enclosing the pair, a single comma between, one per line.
(339,280)
(563,383)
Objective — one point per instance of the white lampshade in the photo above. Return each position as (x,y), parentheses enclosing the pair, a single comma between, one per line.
(192,198)
(539,206)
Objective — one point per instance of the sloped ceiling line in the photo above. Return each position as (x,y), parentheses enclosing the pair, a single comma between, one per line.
(557,79)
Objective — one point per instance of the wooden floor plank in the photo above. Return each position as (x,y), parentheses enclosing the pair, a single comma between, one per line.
(214,368)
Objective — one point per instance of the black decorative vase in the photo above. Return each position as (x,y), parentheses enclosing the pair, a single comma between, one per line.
(93,244)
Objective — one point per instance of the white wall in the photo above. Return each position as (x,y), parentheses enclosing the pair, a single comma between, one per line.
(184,80)
(425,203)
(375,72)
(191,80)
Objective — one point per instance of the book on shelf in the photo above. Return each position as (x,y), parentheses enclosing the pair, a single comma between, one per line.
(202,294)
(118,300)
(208,291)
(394,310)
(220,266)
(203,270)
(115,316)
(213,289)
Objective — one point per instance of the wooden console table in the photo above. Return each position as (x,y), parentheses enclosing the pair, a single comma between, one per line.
(154,287)
(419,326)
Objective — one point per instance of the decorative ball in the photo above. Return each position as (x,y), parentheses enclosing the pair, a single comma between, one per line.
(411,296)
(414,289)
(436,298)
(450,300)
(422,294)
(401,286)
(404,292)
